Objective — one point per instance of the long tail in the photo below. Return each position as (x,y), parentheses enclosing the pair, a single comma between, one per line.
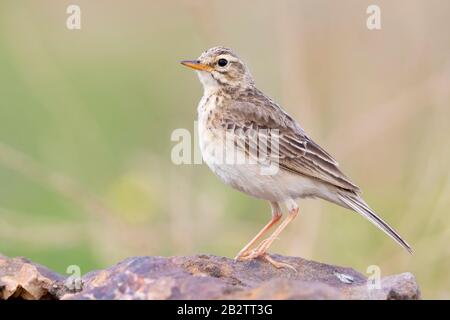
(354,202)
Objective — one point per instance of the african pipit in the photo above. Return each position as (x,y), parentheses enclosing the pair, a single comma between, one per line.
(233,113)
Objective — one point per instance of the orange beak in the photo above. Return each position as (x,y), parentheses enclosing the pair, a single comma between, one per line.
(196,65)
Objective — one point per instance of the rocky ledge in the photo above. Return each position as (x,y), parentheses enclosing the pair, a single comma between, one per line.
(201,277)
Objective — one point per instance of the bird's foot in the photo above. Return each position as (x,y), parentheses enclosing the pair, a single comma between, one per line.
(265,256)
(249,254)
(261,252)
(242,254)
(277,264)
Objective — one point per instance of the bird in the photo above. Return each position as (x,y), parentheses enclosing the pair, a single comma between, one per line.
(256,147)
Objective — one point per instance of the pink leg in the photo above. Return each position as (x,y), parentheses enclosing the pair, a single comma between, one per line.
(276,216)
(261,249)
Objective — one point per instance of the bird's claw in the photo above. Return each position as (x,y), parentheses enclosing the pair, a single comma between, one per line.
(278,264)
(260,252)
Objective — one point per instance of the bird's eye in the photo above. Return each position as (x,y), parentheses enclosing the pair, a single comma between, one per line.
(222,62)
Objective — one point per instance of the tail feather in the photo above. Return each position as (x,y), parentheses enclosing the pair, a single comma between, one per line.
(357,204)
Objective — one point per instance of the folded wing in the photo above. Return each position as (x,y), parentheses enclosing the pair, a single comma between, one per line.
(261,119)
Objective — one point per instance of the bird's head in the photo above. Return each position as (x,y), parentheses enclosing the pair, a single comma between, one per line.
(220,67)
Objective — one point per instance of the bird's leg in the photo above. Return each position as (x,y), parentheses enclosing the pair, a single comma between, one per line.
(276,216)
(261,249)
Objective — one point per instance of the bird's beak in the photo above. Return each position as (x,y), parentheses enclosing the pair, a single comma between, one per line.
(196,65)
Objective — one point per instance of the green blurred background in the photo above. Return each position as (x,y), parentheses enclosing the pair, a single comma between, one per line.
(86,116)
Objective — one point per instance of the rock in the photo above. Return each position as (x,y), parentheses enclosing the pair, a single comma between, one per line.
(201,277)
(22,279)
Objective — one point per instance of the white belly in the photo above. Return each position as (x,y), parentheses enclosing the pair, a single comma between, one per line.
(251,178)
(277,187)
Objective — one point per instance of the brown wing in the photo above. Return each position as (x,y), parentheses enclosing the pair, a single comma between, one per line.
(297,152)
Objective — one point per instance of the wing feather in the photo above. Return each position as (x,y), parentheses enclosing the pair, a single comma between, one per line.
(297,152)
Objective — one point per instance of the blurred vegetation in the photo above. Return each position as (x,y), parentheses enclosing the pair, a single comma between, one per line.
(86,117)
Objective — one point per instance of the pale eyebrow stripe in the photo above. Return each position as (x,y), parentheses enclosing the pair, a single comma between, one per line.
(228,57)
